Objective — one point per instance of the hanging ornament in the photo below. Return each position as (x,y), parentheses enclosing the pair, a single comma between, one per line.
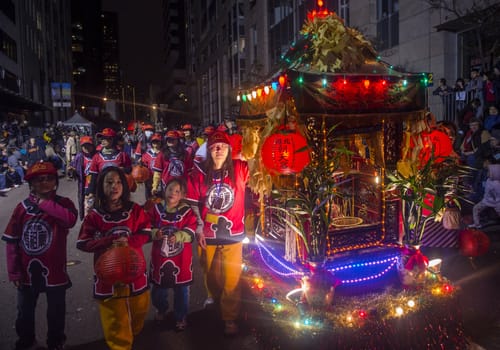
(285,152)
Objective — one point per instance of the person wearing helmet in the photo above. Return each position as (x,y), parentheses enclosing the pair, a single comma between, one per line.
(36,237)
(81,166)
(173,162)
(144,142)
(148,159)
(201,152)
(190,142)
(108,155)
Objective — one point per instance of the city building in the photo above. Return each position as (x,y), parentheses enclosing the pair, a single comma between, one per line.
(233,44)
(35,60)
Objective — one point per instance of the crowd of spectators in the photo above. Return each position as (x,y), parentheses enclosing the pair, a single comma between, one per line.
(473,106)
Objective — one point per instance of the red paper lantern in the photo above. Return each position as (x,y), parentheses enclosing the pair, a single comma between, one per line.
(120,264)
(140,173)
(473,243)
(131,182)
(285,152)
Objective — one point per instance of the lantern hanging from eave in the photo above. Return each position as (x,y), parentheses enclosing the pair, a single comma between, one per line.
(285,152)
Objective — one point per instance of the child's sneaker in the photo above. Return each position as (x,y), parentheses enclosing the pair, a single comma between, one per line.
(181,325)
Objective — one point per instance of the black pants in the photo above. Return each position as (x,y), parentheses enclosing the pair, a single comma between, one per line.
(56,316)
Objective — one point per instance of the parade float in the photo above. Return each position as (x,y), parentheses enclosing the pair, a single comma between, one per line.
(339,146)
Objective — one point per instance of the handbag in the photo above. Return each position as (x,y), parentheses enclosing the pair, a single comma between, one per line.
(452,218)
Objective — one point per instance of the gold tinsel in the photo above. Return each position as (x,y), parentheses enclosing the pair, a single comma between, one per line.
(335,47)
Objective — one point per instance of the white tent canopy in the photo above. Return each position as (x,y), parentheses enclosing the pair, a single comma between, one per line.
(80,123)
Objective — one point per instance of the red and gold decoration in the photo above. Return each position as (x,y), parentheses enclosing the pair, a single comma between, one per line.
(120,264)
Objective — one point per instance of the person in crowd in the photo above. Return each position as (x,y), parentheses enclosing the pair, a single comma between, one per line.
(115,219)
(108,155)
(148,159)
(172,255)
(70,150)
(15,162)
(35,152)
(217,188)
(36,237)
(190,142)
(173,162)
(467,114)
(491,198)
(144,143)
(460,97)
(492,119)
(445,92)
(489,97)
(201,153)
(474,137)
(474,89)
(81,167)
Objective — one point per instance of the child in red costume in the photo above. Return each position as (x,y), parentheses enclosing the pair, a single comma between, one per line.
(172,253)
(36,237)
(116,220)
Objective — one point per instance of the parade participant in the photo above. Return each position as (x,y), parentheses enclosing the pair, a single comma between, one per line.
(173,162)
(70,152)
(172,253)
(190,142)
(217,187)
(115,219)
(201,153)
(145,141)
(108,155)
(148,159)
(81,166)
(36,237)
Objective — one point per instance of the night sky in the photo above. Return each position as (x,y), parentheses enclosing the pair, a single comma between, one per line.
(140,32)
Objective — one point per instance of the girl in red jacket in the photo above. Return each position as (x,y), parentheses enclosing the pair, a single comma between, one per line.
(116,220)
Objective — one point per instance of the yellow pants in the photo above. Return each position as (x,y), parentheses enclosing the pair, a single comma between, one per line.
(122,318)
(231,268)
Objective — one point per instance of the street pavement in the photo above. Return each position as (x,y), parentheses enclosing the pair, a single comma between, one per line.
(477,278)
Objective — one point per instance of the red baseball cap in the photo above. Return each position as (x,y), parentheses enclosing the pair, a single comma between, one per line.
(107,132)
(156,137)
(218,137)
(172,134)
(40,168)
(86,140)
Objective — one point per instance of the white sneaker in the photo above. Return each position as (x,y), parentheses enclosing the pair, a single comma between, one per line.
(208,301)
(6,189)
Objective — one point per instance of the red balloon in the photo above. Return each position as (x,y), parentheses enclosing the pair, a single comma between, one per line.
(473,243)
(120,264)
(285,152)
